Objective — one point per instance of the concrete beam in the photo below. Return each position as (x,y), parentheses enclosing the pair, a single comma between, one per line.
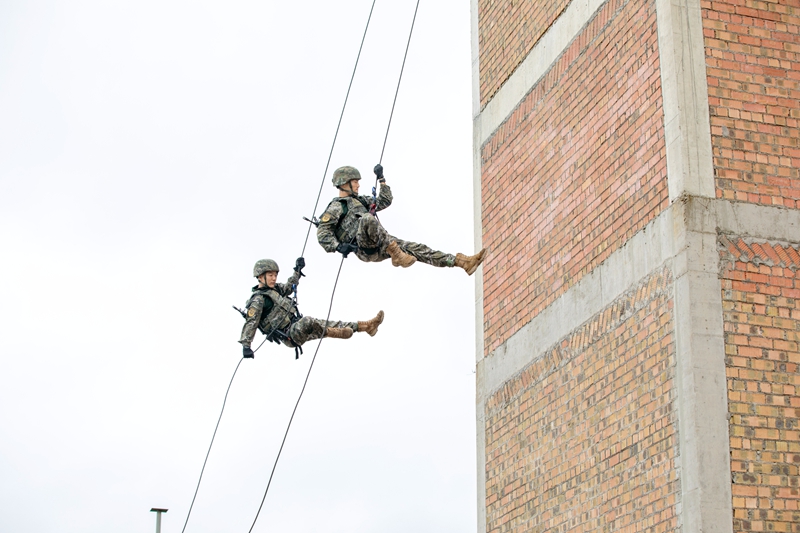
(684,90)
(478,236)
(644,253)
(702,398)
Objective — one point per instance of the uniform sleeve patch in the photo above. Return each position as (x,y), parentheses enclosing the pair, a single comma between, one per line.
(251,312)
(326,218)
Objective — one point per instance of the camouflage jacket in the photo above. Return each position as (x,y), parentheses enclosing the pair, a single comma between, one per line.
(269,309)
(334,227)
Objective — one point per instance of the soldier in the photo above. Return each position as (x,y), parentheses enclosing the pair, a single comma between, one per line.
(348,225)
(272,311)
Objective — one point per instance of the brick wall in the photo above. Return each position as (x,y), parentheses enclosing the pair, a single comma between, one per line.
(576,170)
(507,31)
(584,439)
(753,66)
(761,302)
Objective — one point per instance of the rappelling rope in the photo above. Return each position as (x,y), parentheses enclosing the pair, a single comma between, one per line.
(338,125)
(397,91)
(394,102)
(224,401)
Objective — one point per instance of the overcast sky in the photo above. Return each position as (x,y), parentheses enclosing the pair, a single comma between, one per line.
(150,153)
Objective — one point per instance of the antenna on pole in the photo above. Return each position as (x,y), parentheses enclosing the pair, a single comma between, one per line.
(158,517)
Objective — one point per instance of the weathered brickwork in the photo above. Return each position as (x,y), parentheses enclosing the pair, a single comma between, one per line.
(507,31)
(761,306)
(585,438)
(753,67)
(576,170)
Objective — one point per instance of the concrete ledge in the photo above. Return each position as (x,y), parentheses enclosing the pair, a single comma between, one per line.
(684,234)
(642,254)
(715,216)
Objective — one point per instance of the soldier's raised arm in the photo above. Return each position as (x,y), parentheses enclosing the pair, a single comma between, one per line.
(285,289)
(384,197)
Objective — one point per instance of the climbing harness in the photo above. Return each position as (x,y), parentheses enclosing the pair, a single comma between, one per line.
(312,222)
(278,333)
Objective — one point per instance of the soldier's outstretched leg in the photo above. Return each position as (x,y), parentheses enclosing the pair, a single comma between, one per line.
(308,328)
(338,333)
(426,254)
(376,244)
(371,325)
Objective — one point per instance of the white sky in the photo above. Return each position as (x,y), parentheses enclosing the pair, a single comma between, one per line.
(150,153)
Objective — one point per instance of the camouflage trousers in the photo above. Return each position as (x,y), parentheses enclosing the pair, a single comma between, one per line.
(308,329)
(371,235)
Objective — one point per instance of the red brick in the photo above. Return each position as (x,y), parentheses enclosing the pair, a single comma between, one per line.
(507,31)
(770,382)
(590,428)
(563,183)
(761,43)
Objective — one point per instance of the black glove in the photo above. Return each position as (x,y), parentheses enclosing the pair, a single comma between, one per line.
(378,170)
(345,248)
(299,265)
(247,353)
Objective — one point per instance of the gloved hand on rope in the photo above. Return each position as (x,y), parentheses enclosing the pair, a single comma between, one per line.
(248,353)
(345,248)
(299,265)
(378,170)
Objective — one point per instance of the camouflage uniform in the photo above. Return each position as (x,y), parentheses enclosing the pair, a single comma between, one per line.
(281,316)
(358,226)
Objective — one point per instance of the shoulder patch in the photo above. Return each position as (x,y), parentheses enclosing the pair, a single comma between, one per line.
(326,218)
(251,312)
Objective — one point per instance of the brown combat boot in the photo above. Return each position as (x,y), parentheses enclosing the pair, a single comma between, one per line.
(371,325)
(470,263)
(338,333)
(399,257)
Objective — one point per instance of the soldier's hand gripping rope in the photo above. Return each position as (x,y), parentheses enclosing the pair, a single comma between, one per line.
(299,265)
(378,170)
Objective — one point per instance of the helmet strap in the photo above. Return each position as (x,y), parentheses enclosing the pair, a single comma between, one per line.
(349,190)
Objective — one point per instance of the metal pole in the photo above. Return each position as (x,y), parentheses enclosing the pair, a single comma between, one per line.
(158,517)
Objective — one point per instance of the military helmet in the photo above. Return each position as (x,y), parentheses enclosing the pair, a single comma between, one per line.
(344,174)
(264,265)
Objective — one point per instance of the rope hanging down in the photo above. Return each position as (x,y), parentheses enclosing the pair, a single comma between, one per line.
(224,401)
